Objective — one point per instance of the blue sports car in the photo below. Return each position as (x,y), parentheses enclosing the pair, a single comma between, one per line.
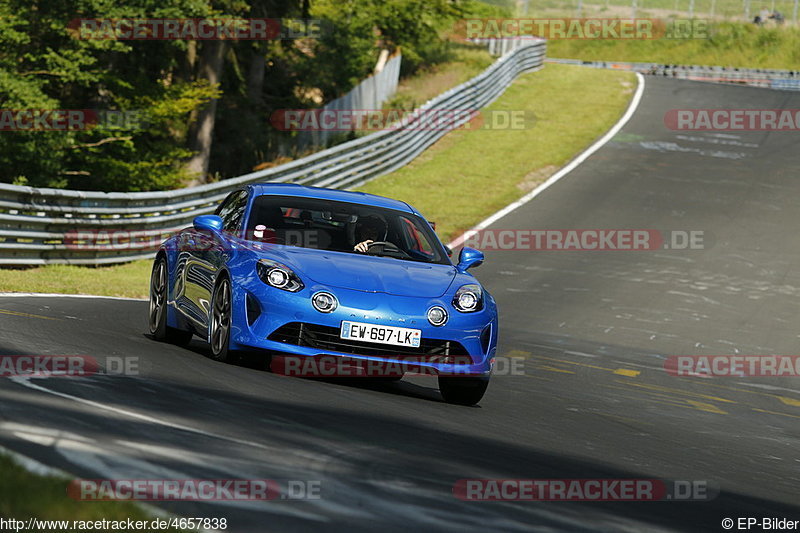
(311,273)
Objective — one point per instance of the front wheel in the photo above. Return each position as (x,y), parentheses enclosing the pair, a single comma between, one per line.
(220,324)
(462,390)
(157,314)
(386,379)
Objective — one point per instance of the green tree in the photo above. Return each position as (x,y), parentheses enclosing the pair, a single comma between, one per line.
(44,65)
(202,108)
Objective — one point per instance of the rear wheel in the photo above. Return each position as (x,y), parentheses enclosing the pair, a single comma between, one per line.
(157,314)
(462,390)
(220,324)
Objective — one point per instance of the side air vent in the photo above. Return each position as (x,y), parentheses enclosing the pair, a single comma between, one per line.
(253,309)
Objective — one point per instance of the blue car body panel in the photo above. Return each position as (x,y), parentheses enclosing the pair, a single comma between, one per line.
(369,289)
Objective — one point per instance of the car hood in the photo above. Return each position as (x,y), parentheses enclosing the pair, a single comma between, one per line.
(368,273)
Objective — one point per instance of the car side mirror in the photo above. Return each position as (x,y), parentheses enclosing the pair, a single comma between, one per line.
(468,258)
(207,223)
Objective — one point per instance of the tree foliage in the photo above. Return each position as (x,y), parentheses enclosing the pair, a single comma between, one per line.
(164,86)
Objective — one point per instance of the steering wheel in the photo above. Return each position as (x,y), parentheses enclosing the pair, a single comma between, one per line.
(385,248)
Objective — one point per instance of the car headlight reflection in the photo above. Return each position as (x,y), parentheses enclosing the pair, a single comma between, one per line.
(468,298)
(278,275)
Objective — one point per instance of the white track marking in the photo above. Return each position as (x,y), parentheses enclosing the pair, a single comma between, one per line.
(25,382)
(572,165)
(32,465)
(40,469)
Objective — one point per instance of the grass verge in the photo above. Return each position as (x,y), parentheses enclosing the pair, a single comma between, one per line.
(729,44)
(129,280)
(24,495)
(462,179)
(470,174)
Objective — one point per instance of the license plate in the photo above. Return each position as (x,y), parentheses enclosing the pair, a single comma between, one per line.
(359,331)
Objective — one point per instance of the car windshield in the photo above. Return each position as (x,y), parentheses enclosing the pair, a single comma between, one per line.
(343,227)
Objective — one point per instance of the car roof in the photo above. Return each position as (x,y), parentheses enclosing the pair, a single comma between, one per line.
(303,191)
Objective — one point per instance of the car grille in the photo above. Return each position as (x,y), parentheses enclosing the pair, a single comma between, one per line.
(327,338)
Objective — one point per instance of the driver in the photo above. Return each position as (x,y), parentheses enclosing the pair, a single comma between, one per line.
(369,229)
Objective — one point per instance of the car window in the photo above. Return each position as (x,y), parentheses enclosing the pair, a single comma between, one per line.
(232,210)
(342,226)
(416,240)
(226,203)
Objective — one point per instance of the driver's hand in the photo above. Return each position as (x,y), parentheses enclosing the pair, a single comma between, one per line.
(363,246)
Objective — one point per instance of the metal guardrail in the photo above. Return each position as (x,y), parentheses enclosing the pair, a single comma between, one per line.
(41,226)
(786,80)
(500,47)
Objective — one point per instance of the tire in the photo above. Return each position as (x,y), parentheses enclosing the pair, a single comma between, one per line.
(219,324)
(157,313)
(462,390)
(385,379)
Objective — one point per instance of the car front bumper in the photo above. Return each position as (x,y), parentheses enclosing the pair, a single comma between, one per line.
(464,345)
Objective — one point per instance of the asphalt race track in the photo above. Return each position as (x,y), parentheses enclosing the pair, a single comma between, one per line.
(594,329)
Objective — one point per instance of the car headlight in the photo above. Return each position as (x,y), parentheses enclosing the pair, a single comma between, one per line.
(278,275)
(324,302)
(468,298)
(437,316)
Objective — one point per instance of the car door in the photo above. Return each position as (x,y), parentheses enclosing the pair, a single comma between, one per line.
(205,254)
